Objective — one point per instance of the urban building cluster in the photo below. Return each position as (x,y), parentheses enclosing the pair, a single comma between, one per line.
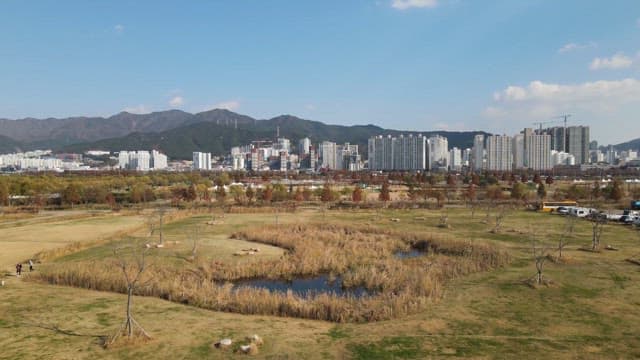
(535,149)
(532,149)
(283,156)
(142,160)
(41,160)
(414,153)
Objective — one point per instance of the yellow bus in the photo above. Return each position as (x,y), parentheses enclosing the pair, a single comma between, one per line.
(552,206)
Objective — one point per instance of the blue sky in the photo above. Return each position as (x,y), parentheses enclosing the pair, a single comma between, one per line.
(406,64)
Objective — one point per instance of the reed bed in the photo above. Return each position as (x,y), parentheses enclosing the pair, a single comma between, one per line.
(362,255)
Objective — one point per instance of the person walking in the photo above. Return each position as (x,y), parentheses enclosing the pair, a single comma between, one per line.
(30,265)
(18,269)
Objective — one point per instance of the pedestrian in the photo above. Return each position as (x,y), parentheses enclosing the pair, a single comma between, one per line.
(18,269)
(30,265)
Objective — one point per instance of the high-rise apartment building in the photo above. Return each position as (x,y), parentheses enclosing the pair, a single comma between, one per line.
(256,159)
(518,151)
(573,140)
(158,160)
(499,153)
(455,159)
(477,157)
(577,141)
(537,150)
(201,161)
(303,146)
(438,151)
(381,153)
(328,154)
(398,153)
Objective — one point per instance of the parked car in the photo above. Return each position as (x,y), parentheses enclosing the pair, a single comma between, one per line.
(562,210)
(579,212)
(629,219)
(612,217)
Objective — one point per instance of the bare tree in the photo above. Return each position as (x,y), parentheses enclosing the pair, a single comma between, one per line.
(597,227)
(474,207)
(155,222)
(540,256)
(569,228)
(500,215)
(131,261)
(161,212)
(195,237)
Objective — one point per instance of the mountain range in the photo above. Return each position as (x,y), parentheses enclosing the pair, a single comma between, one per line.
(178,133)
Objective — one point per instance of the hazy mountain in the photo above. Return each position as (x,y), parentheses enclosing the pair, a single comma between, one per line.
(8,145)
(178,133)
(225,129)
(58,132)
(633,145)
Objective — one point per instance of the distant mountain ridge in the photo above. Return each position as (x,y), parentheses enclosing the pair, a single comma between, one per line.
(178,133)
(632,144)
(219,136)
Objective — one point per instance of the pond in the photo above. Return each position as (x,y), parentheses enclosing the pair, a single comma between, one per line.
(305,286)
(409,254)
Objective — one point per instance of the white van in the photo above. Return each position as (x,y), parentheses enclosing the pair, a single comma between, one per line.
(579,212)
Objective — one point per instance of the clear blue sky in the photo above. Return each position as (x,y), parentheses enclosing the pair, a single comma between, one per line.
(408,64)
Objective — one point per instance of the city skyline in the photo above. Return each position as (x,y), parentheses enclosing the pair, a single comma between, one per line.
(409,65)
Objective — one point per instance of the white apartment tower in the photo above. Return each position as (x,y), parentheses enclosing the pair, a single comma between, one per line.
(158,160)
(201,161)
(398,153)
(455,159)
(499,153)
(537,150)
(438,151)
(518,151)
(328,154)
(303,146)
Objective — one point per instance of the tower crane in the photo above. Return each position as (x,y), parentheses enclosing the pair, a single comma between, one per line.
(564,117)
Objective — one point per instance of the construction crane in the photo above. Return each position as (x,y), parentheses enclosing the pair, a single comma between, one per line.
(565,117)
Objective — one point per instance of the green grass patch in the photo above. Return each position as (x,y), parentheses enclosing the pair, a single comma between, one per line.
(337,333)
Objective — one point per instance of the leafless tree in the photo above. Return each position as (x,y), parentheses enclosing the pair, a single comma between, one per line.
(569,228)
(499,217)
(540,254)
(195,237)
(132,261)
(474,206)
(155,222)
(597,227)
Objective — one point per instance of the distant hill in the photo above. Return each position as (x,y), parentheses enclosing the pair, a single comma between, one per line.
(8,145)
(178,133)
(633,145)
(40,133)
(218,136)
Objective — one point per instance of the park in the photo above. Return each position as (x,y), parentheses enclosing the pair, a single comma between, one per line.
(371,279)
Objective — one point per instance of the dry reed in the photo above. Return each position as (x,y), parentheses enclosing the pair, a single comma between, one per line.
(363,256)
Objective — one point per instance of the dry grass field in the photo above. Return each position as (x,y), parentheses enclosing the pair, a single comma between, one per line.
(21,238)
(588,308)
